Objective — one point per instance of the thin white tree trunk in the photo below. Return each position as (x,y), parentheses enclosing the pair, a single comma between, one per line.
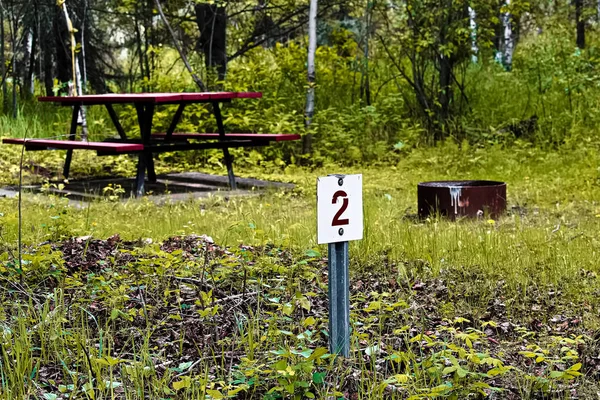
(27,57)
(77,84)
(508,40)
(84,87)
(310,94)
(473,27)
(504,54)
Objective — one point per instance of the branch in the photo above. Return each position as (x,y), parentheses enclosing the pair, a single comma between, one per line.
(133,14)
(393,60)
(250,44)
(179,49)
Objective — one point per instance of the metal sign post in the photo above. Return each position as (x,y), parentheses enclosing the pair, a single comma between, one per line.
(339,299)
(339,220)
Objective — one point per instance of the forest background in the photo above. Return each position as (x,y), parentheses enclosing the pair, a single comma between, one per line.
(390,75)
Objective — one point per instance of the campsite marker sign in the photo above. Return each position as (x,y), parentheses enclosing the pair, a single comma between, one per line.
(339,220)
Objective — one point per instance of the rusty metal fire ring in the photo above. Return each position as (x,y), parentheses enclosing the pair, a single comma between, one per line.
(454,199)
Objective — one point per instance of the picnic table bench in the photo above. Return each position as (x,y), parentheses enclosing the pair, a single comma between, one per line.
(151,143)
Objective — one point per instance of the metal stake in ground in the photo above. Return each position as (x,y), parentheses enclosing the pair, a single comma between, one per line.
(339,299)
(339,220)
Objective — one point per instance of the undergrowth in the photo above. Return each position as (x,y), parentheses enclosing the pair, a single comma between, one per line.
(498,309)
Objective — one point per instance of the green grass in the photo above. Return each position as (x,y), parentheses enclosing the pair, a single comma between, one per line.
(438,308)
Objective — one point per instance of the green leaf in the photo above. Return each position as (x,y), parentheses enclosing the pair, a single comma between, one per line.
(319,377)
(288,308)
(449,370)
(182,367)
(112,385)
(556,374)
(496,371)
(182,384)
(575,367)
(306,353)
(312,253)
(372,350)
(290,388)
(215,394)
(528,354)
(281,365)
(317,353)
(305,303)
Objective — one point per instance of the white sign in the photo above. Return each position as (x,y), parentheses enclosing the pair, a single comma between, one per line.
(339,208)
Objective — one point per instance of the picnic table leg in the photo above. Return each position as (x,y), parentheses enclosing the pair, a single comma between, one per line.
(174,122)
(145,160)
(72,133)
(146,139)
(150,166)
(140,176)
(115,120)
(226,155)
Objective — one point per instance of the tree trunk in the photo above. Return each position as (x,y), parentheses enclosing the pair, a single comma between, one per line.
(311,75)
(140,48)
(580,24)
(506,49)
(473,28)
(63,64)
(83,46)
(212,24)
(446,66)
(47,51)
(14,27)
(445,96)
(14,80)
(28,86)
(3,62)
(147,27)
(77,83)
(365,88)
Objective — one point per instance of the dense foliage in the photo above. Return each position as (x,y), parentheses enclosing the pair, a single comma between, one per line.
(391,76)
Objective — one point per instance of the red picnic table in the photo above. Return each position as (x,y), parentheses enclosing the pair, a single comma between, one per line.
(150,142)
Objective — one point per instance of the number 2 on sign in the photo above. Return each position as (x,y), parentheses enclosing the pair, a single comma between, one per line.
(336,218)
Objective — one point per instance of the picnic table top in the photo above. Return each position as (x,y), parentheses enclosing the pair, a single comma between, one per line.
(166,98)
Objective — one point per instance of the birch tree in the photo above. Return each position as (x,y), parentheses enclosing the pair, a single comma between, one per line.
(473,27)
(504,53)
(311,74)
(77,85)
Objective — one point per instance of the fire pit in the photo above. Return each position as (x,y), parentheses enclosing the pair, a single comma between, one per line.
(454,199)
